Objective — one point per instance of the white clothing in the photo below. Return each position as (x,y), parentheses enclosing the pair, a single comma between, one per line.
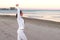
(20,19)
(18,13)
(21,35)
(20,23)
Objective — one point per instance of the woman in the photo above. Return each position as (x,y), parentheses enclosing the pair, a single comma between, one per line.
(20,20)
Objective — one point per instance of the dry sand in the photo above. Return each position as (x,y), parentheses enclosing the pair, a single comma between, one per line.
(34,29)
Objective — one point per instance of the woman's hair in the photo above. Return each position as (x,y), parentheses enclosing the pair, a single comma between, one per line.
(16,15)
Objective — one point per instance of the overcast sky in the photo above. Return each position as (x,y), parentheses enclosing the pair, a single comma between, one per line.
(32,4)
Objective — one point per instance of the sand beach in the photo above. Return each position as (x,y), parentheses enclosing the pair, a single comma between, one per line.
(35,29)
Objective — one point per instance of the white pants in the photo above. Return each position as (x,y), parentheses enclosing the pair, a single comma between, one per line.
(21,35)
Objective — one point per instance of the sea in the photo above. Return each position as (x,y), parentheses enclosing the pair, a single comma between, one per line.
(33,11)
(52,14)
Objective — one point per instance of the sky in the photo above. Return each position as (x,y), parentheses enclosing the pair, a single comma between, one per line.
(31,4)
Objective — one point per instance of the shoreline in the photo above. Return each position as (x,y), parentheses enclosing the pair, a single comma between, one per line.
(30,17)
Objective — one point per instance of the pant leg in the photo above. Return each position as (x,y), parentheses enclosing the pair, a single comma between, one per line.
(21,35)
(18,36)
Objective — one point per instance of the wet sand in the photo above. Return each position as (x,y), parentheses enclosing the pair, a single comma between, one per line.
(50,17)
(34,29)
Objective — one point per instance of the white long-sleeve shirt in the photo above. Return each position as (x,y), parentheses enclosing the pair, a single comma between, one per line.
(20,20)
